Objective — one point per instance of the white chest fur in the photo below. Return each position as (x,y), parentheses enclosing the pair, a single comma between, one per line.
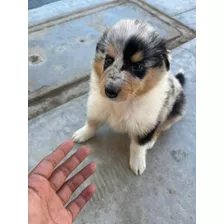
(136,116)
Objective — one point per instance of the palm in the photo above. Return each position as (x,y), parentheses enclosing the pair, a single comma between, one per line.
(48,194)
(47,201)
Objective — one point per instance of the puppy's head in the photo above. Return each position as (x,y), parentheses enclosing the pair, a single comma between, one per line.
(131,58)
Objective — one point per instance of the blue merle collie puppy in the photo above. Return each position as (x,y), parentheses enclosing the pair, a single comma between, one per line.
(132,89)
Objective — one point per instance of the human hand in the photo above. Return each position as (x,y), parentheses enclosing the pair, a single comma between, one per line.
(48,191)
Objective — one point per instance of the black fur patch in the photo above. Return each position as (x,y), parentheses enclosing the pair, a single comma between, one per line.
(133,46)
(181,78)
(154,52)
(178,106)
(167,63)
(142,140)
(108,62)
(131,67)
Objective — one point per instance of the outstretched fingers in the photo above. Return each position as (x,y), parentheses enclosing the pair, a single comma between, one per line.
(46,166)
(77,204)
(74,182)
(60,174)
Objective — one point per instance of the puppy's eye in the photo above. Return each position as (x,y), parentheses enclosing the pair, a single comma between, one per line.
(137,68)
(108,62)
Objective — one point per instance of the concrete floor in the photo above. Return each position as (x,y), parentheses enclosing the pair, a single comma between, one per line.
(32,4)
(165,193)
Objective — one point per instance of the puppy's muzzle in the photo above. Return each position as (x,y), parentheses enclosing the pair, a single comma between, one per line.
(111,91)
(113,84)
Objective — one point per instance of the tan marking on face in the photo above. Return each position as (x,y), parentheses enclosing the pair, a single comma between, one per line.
(111,51)
(101,81)
(133,87)
(98,67)
(129,88)
(137,56)
(150,80)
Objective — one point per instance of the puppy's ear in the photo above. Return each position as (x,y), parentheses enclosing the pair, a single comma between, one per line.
(166,55)
(158,52)
(100,47)
(166,58)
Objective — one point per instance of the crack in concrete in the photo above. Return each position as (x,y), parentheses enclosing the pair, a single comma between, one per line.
(184,12)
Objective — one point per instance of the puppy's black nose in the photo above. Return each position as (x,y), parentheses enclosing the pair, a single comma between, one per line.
(111,92)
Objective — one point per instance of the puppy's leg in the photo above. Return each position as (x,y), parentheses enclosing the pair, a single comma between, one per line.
(96,114)
(170,121)
(137,160)
(140,144)
(138,148)
(87,131)
(150,139)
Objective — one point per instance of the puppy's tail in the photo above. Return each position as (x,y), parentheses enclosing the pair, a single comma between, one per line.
(180,77)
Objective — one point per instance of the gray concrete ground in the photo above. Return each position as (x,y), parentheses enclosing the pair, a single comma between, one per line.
(61,45)
(38,3)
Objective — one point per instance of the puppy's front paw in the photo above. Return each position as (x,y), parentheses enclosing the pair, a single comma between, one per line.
(83,134)
(138,164)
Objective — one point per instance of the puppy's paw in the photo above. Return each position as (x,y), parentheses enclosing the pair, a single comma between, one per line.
(138,164)
(83,134)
